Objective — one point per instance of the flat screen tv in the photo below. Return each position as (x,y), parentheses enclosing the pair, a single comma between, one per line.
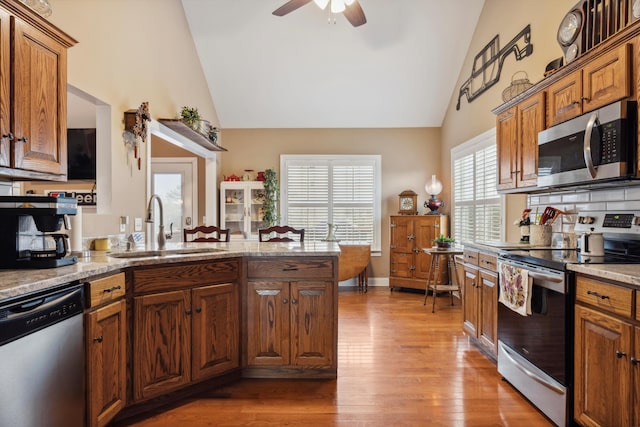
(81,154)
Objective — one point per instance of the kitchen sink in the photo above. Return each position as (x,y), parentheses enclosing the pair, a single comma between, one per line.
(163,252)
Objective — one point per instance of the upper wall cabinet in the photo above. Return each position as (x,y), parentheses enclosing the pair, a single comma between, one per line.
(33,95)
(600,82)
(517,143)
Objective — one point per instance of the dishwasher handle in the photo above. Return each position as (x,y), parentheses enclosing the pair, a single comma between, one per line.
(33,313)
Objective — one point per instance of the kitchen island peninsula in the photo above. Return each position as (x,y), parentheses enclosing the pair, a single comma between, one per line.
(160,325)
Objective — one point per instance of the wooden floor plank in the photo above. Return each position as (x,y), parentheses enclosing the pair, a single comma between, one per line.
(398,365)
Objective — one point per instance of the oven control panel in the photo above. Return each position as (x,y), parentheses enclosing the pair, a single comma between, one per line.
(610,222)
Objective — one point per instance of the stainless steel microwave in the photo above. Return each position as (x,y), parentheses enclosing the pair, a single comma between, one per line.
(595,147)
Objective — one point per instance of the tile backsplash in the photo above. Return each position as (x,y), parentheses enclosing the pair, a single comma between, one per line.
(574,201)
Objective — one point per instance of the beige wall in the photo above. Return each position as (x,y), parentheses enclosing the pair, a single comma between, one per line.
(409,157)
(129,52)
(506,18)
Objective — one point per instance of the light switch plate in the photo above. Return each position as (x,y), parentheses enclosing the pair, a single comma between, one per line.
(138,224)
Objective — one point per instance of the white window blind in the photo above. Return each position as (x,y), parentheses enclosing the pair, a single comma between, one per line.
(477,204)
(317,190)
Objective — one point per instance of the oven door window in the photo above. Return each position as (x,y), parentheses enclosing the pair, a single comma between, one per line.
(540,337)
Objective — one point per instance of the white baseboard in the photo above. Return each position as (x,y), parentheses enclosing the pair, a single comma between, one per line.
(373,281)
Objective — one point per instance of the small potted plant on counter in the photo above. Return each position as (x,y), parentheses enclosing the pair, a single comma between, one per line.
(443,242)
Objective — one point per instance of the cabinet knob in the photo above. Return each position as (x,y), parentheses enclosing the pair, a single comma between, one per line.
(634,361)
(284,300)
(115,288)
(8,136)
(187,312)
(620,354)
(23,139)
(198,309)
(98,339)
(574,102)
(294,301)
(584,98)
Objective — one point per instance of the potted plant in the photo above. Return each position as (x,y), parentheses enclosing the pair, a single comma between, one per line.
(269,208)
(191,117)
(443,241)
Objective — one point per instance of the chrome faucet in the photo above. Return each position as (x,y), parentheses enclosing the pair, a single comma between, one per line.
(161,236)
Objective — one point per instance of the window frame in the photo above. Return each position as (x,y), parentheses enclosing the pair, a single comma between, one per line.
(466,148)
(328,159)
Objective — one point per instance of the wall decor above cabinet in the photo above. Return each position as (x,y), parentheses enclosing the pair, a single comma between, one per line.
(486,72)
(590,22)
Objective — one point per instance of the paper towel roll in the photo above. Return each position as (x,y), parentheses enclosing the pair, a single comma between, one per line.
(75,234)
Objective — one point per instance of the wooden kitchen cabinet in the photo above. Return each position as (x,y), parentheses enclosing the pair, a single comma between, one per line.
(607,349)
(33,94)
(105,349)
(291,322)
(187,326)
(602,81)
(480,299)
(409,235)
(517,143)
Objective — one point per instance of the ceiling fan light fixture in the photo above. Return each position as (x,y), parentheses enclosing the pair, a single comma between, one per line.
(321,3)
(337,6)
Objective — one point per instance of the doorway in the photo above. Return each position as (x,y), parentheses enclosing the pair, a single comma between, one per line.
(174,180)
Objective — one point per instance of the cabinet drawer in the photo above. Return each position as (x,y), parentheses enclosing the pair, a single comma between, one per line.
(471,257)
(158,279)
(487,261)
(106,289)
(290,268)
(605,296)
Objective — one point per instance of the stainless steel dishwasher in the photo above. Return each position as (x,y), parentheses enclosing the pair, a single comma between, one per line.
(42,359)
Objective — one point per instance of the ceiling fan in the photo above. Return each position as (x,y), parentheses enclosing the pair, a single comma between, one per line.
(351,9)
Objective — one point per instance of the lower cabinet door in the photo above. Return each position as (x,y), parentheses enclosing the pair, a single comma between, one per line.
(488,313)
(106,363)
(268,323)
(312,327)
(215,330)
(602,376)
(161,343)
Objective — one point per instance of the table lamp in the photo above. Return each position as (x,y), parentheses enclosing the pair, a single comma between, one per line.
(433,187)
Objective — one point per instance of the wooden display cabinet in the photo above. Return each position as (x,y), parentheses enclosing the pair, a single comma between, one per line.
(410,234)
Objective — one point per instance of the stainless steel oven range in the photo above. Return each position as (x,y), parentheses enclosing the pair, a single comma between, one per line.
(535,352)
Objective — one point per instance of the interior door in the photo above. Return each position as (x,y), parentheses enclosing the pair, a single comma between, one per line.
(174,180)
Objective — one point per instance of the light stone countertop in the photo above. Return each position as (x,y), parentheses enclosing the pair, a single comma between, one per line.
(15,283)
(624,273)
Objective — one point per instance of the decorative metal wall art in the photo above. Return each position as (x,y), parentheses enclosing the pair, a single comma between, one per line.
(487,64)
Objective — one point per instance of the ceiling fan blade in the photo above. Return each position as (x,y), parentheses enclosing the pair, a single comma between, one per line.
(355,14)
(290,6)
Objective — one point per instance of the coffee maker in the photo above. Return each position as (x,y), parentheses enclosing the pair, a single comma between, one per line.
(30,229)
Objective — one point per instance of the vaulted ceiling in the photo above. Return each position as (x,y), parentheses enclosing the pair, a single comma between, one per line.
(299,71)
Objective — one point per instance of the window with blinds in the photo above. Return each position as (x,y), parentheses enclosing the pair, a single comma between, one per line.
(317,190)
(477,204)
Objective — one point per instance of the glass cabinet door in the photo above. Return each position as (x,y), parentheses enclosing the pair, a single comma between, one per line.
(234,211)
(255,209)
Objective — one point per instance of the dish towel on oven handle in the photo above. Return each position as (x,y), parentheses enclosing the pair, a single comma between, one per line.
(515,289)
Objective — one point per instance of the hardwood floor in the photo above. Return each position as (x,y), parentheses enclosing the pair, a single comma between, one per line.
(398,365)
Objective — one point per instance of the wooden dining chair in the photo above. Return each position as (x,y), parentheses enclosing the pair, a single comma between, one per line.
(208,233)
(282,233)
